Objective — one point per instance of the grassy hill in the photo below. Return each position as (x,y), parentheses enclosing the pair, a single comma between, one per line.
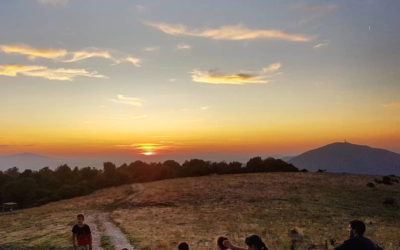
(158,215)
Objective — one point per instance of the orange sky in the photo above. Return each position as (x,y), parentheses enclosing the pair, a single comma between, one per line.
(163,78)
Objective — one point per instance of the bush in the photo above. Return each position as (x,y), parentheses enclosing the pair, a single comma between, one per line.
(387,180)
(390,202)
(371,185)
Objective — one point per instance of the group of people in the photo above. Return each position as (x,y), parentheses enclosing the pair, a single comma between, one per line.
(82,239)
(253,242)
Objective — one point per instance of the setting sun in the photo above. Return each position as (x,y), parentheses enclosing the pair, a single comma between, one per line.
(148,153)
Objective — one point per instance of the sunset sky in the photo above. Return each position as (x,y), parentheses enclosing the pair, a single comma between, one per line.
(168,77)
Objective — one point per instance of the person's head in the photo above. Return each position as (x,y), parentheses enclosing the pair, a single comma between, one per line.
(183,246)
(220,242)
(356,228)
(254,242)
(80,219)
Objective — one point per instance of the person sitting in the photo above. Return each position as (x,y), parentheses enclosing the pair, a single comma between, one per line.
(183,246)
(253,242)
(220,242)
(356,240)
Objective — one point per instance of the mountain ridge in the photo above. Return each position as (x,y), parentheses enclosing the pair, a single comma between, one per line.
(349,158)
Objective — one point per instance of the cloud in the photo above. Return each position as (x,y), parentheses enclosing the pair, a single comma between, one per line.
(152,49)
(62,55)
(135,61)
(237,32)
(33,53)
(53,2)
(128,100)
(60,74)
(205,107)
(319,45)
(82,55)
(214,77)
(272,68)
(15,69)
(183,46)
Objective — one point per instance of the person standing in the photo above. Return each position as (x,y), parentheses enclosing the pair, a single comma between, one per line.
(81,235)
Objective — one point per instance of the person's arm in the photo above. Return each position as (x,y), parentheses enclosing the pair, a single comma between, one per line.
(227,244)
(73,241)
(90,243)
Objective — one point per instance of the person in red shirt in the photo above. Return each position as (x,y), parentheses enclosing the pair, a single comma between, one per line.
(81,235)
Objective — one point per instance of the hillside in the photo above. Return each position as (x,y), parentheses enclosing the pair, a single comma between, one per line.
(349,158)
(157,215)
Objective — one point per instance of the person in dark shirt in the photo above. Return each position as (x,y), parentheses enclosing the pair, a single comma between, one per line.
(81,235)
(357,241)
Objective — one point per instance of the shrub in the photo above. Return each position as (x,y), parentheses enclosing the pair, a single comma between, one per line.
(387,180)
(390,202)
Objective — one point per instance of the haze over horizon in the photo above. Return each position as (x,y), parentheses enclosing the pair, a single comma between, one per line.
(164,78)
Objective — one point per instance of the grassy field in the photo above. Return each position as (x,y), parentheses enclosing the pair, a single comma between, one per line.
(158,215)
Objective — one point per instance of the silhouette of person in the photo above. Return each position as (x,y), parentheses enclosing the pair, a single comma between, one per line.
(183,246)
(253,242)
(356,240)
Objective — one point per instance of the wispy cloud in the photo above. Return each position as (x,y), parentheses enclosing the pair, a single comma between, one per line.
(237,32)
(183,46)
(152,49)
(135,61)
(205,108)
(319,45)
(53,2)
(82,55)
(33,53)
(60,74)
(215,77)
(62,55)
(127,100)
(272,68)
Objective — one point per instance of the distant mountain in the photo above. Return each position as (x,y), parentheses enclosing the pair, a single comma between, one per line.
(349,158)
(27,161)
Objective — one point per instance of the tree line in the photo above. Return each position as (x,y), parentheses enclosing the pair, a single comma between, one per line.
(32,188)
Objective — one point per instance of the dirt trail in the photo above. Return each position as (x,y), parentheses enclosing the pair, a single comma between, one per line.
(101,225)
(91,220)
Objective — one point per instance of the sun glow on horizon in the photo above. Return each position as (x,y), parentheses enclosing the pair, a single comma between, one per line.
(148,153)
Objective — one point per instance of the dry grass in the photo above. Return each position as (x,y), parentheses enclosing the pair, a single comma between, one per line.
(159,215)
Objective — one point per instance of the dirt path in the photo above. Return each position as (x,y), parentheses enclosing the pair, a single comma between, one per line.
(92,221)
(101,225)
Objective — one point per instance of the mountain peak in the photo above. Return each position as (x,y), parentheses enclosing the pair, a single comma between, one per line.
(349,158)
